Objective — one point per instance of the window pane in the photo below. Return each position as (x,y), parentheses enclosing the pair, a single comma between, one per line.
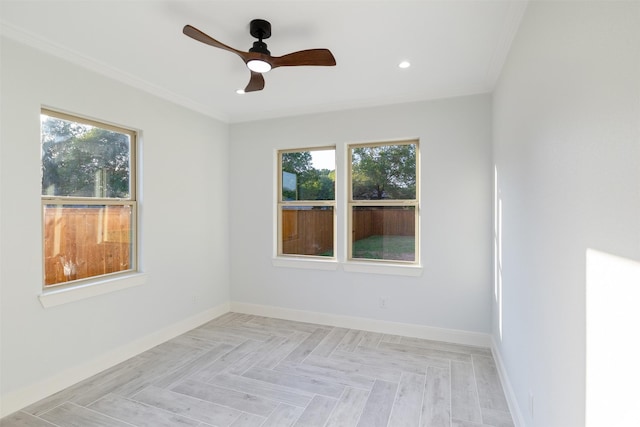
(307,230)
(86,241)
(383,232)
(384,172)
(308,175)
(80,160)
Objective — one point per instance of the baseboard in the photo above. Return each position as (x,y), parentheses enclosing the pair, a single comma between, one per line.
(365,324)
(514,408)
(21,398)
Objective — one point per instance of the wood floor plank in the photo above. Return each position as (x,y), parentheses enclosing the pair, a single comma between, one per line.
(299,382)
(317,412)
(23,419)
(245,402)
(497,418)
(72,415)
(462,423)
(349,408)
(192,407)
(436,408)
(254,325)
(283,416)
(426,352)
(351,340)
(407,407)
(256,355)
(386,350)
(391,338)
(490,393)
(139,414)
(249,420)
(226,361)
(216,336)
(280,353)
(185,370)
(244,333)
(264,389)
(385,373)
(195,342)
(307,346)
(464,397)
(380,361)
(379,404)
(330,375)
(226,319)
(406,357)
(370,339)
(288,324)
(439,345)
(330,342)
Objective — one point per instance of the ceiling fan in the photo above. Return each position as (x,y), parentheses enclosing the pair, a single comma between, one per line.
(259,59)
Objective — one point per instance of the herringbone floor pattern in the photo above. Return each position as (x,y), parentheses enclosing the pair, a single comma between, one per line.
(244,370)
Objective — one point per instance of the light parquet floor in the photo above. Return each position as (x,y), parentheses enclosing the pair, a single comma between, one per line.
(244,370)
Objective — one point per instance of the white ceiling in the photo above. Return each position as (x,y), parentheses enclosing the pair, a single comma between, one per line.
(455,48)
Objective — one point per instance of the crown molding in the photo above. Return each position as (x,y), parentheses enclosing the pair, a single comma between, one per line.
(20,35)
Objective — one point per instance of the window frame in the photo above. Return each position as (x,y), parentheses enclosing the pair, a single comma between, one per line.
(352,203)
(131,202)
(282,204)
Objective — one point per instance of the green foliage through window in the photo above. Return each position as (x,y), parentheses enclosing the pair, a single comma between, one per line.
(81,160)
(302,181)
(384,172)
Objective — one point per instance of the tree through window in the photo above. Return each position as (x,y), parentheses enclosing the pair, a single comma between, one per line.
(383,202)
(306,202)
(88,198)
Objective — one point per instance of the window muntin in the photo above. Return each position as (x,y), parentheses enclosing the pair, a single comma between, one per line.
(88,199)
(306,202)
(383,202)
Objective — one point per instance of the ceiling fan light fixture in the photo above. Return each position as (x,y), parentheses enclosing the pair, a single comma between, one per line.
(259,66)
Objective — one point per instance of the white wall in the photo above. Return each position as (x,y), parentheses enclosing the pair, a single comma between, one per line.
(454,289)
(567,151)
(183,213)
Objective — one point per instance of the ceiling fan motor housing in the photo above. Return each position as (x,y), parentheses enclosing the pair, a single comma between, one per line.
(260,47)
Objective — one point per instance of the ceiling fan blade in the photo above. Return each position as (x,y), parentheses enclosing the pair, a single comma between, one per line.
(198,35)
(256,83)
(322,57)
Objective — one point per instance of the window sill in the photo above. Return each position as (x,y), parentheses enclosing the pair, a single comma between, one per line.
(54,297)
(312,264)
(412,270)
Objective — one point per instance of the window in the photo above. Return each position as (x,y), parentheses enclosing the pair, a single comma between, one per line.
(306,202)
(383,202)
(88,199)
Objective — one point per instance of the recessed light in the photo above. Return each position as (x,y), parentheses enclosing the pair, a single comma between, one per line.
(404,64)
(240,91)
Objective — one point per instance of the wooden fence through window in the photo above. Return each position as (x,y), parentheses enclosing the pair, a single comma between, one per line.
(81,242)
(307,231)
(310,231)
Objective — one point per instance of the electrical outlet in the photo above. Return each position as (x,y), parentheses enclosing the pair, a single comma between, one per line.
(382,303)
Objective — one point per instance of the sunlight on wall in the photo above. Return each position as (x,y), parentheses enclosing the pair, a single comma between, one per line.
(497,248)
(613,351)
